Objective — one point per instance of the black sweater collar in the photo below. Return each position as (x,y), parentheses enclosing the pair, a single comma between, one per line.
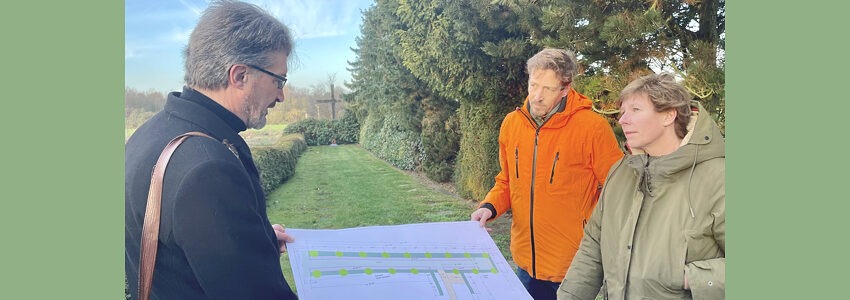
(229,117)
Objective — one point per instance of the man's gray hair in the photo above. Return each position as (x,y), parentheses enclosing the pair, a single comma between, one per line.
(563,62)
(228,33)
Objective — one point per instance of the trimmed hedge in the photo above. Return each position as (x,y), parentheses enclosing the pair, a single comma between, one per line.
(383,137)
(440,138)
(277,162)
(324,132)
(347,129)
(477,163)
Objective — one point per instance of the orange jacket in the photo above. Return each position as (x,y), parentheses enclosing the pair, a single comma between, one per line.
(550,178)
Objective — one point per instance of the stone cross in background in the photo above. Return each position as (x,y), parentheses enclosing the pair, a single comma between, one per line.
(332,101)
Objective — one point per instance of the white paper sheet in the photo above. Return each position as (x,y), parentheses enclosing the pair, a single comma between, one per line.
(447,260)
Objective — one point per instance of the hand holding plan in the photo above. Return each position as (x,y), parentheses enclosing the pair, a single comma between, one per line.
(282,236)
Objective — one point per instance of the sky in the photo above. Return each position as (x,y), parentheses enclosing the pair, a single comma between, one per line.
(156,32)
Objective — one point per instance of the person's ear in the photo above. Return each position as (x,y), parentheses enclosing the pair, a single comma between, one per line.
(670,117)
(237,76)
(566,89)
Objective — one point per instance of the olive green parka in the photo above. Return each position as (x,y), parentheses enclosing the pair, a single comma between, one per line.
(658,219)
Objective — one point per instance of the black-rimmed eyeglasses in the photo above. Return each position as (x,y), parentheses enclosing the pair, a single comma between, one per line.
(281,80)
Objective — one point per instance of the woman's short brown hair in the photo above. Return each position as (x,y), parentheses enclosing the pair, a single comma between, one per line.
(665,94)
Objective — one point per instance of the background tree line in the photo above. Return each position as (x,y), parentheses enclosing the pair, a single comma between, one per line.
(300,103)
(433,79)
(140,106)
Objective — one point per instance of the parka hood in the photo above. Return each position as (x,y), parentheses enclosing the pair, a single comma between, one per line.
(702,143)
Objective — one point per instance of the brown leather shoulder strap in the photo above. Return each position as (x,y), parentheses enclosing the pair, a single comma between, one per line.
(150,229)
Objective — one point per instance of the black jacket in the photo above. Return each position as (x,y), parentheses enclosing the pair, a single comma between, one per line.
(215,238)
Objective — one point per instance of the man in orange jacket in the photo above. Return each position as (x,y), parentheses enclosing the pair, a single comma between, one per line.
(554,154)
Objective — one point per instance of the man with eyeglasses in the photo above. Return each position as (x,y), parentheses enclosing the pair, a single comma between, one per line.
(215,239)
(554,154)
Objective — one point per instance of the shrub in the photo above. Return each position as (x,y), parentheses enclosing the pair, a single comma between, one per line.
(477,163)
(440,142)
(323,132)
(347,129)
(311,129)
(386,139)
(276,163)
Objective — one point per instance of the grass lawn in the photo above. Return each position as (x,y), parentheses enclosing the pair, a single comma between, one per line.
(345,186)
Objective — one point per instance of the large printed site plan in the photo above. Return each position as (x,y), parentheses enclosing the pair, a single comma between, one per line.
(451,260)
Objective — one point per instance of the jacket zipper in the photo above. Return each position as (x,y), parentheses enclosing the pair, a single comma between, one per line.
(516,164)
(531,202)
(531,208)
(551,177)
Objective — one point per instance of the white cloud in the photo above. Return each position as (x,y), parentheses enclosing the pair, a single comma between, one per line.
(178,35)
(156,33)
(316,19)
(194,8)
(174,39)
(134,50)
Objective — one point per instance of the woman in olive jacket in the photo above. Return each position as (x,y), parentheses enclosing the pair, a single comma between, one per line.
(659,230)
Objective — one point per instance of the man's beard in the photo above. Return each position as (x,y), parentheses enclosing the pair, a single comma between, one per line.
(252,122)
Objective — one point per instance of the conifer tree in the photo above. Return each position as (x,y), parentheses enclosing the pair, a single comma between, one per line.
(618,41)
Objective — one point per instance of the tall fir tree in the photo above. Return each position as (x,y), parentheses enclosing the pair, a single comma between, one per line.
(458,66)
(396,109)
(618,41)
(468,50)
